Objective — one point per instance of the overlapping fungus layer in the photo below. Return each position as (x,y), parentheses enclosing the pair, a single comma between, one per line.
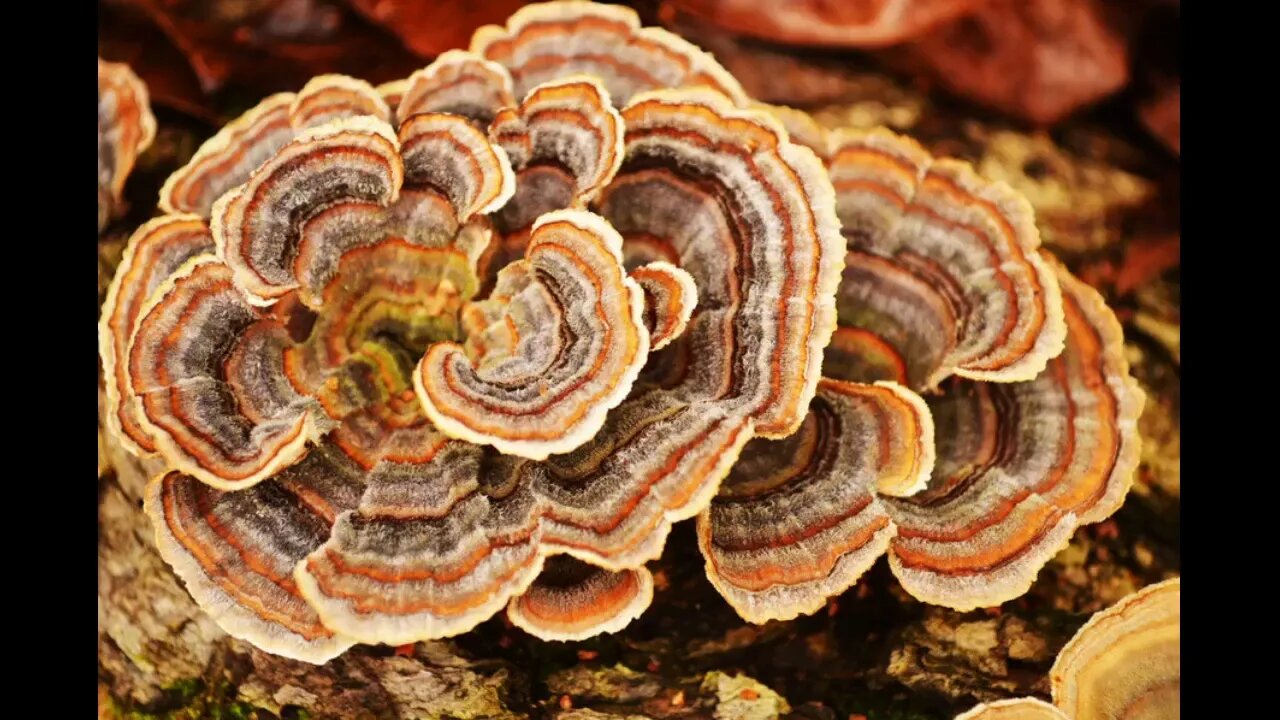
(475,339)
(1023,443)
(1021,465)
(381,428)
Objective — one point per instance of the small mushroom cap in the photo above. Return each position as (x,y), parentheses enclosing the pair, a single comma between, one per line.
(126,127)
(579,343)
(227,159)
(262,223)
(1021,465)
(1126,661)
(1015,709)
(572,600)
(460,83)
(798,520)
(943,265)
(236,551)
(564,141)
(545,41)
(154,251)
(445,154)
(326,98)
(570,123)
(206,374)
(670,296)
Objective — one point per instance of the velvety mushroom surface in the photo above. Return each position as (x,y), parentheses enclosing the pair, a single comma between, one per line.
(1025,428)
(1126,661)
(474,340)
(126,127)
(380,428)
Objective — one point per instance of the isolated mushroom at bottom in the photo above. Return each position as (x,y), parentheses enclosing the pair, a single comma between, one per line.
(1124,663)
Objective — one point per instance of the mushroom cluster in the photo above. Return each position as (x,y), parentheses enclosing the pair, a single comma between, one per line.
(476,339)
(976,406)
(1125,662)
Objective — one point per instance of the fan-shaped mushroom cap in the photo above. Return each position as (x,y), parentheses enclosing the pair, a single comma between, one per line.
(460,83)
(670,296)
(722,191)
(943,275)
(545,41)
(126,127)
(578,342)
(332,97)
(572,600)
(1021,465)
(236,550)
(156,249)
(1015,709)
(434,547)
(568,123)
(798,520)
(942,265)
(262,224)
(1126,661)
(226,160)
(564,141)
(206,374)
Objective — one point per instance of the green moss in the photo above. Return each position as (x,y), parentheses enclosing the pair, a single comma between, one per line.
(192,699)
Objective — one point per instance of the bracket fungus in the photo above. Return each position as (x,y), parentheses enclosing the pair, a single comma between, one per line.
(546,41)
(474,340)
(1024,429)
(569,343)
(225,160)
(572,600)
(126,127)
(1125,662)
(381,430)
